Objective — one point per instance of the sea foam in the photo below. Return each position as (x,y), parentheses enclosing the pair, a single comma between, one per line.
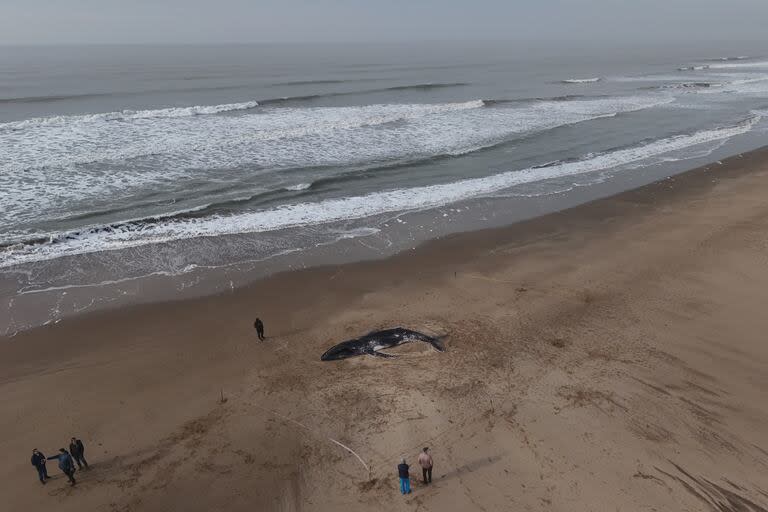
(128,115)
(740,64)
(581,80)
(355,207)
(48,170)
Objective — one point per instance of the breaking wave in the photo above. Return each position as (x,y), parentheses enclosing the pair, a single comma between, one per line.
(129,115)
(95,161)
(163,229)
(319,96)
(581,80)
(693,68)
(740,64)
(739,57)
(300,186)
(691,85)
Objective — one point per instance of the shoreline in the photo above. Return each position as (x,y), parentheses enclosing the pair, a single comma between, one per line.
(608,356)
(325,260)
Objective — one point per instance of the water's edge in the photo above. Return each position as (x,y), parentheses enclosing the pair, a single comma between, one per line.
(405,232)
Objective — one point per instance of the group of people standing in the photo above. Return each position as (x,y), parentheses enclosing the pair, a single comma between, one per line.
(66,459)
(403,471)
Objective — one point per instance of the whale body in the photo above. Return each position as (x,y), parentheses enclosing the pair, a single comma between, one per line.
(371,343)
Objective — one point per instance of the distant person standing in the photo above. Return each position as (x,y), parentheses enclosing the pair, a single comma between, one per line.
(259,325)
(405,479)
(426,463)
(77,449)
(38,460)
(66,465)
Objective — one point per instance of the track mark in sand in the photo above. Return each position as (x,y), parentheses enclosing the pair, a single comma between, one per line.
(761,450)
(583,397)
(520,289)
(679,363)
(247,457)
(210,467)
(650,432)
(646,476)
(559,342)
(735,486)
(702,414)
(704,390)
(452,430)
(715,440)
(606,356)
(132,467)
(658,389)
(343,446)
(378,485)
(468,493)
(131,506)
(717,498)
(67,490)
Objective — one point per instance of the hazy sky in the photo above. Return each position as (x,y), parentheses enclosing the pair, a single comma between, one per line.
(196,21)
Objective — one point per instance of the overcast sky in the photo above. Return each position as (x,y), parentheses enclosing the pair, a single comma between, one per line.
(221,21)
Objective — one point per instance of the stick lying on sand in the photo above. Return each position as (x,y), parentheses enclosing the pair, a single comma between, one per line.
(350,450)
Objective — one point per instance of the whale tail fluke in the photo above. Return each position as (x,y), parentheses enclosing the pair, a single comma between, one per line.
(438,343)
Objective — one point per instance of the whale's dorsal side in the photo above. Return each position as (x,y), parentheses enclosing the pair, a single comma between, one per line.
(371,343)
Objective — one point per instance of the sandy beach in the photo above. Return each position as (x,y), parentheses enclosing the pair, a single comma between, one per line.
(607,357)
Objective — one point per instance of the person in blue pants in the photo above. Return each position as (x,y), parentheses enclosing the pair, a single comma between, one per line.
(405,480)
(66,465)
(38,460)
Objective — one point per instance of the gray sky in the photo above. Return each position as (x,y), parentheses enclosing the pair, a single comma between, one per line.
(219,21)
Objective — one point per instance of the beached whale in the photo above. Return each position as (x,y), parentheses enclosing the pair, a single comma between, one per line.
(371,343)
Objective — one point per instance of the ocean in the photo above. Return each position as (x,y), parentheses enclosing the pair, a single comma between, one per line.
(137,173)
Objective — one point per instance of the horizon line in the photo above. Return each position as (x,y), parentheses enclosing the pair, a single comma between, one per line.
(543,41)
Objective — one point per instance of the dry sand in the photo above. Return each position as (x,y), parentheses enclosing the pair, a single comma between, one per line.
(609,357)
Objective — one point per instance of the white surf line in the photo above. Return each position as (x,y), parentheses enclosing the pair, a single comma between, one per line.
(347,448)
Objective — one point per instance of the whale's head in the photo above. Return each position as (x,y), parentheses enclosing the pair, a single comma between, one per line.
(341,351)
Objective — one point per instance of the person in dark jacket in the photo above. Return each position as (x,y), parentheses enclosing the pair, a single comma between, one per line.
(405,479)
(259,325)
(66,465)
(77,449)
(38,460)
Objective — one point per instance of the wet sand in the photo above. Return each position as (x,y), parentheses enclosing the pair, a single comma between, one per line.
(607,357)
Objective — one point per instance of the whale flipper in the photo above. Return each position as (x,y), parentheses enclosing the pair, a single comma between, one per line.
(382,354)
